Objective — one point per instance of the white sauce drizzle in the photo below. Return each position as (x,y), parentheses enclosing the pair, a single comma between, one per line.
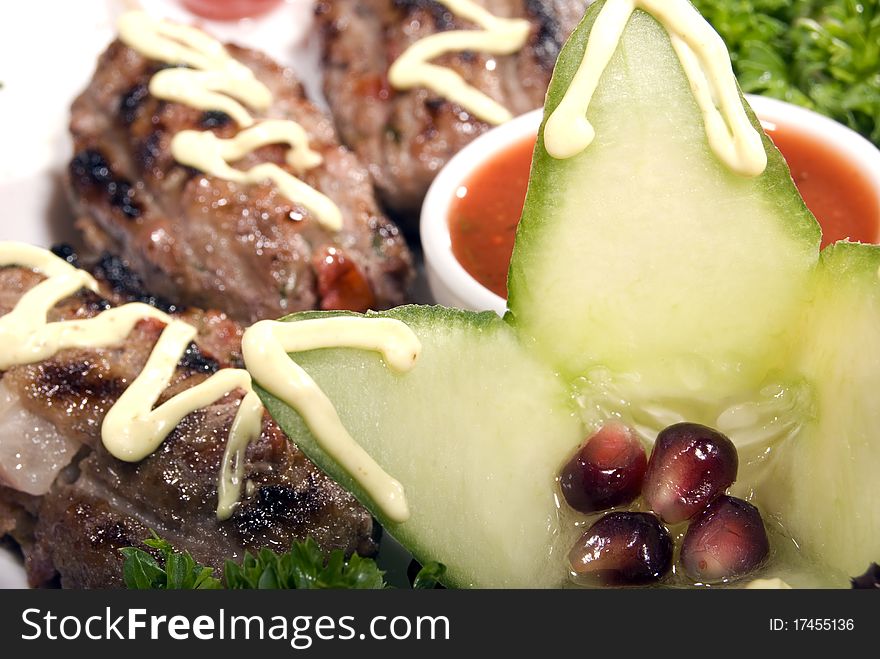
(132,429)
(203,90)
(265,347)
(215,70)
(703,57)
(499,36)
(218,81)
(212,155)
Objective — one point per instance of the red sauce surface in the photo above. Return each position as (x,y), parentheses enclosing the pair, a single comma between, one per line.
(835,189)
(229,10)
(483,217)
(488,206)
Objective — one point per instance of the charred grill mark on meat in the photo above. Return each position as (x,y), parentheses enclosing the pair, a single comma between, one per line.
(126,284)
(66,384)
(90,173)
(66,252)
(550,36)
(131,101)
(115,274)
(444,20)
(195,360)
(148,151)
(214,119)
(277,503)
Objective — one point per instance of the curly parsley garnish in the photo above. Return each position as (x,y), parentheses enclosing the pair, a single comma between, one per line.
(303,567)
(822,55)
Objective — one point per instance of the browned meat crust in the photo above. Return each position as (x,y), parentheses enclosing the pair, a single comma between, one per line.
(99,504)
(211,243)
(406,137)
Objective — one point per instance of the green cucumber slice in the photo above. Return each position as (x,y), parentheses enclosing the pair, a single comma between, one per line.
(476,433)
(824,485)
(646,256)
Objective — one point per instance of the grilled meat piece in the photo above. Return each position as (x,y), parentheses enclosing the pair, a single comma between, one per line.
(405,137)
(71,512)
(215,244)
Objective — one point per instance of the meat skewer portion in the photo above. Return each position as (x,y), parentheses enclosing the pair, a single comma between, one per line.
(71,505)
(211,241)
(406,136)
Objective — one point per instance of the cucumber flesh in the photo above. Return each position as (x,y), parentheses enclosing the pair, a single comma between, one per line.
(646,257)
(824,485)
(476,433)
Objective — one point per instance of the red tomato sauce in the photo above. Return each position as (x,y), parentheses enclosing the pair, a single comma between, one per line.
(487,208)
(484,215)
(833,187)
(229,10)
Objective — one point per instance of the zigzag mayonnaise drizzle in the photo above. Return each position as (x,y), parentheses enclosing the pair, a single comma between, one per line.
(212,155)
(265,347)
(132,429)
(217,81)
(499,36)
(213,69)
(705,61)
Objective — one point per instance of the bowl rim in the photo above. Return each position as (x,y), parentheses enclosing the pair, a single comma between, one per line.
(434,226)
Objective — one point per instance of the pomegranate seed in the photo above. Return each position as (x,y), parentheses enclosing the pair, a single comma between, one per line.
(607,471)
(725,541)
(690,465)
(623,548)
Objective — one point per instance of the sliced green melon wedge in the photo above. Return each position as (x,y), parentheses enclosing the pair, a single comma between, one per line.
(476,433)
(824,484)
(645,256)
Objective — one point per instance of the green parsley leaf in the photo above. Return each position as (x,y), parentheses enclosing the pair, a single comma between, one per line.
(429,576)
(179,571)
(303,567)
(818,54)
(140,570)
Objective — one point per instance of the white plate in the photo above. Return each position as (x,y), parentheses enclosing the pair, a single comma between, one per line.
(48,50)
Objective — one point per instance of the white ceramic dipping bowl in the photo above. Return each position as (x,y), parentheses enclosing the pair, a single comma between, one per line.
(451,285)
